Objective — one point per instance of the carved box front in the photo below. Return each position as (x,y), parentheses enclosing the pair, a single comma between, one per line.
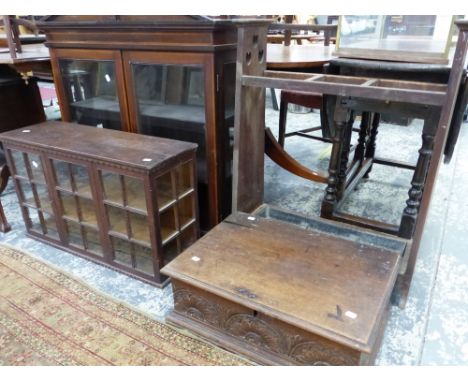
(259,336)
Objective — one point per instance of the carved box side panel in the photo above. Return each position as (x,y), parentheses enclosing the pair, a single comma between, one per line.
(259,334)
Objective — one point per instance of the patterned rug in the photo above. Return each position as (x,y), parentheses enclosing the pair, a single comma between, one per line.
(49,318)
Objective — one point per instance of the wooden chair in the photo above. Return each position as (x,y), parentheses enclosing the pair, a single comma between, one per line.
(11,35)
(286,29)
(11,25)
(312,101)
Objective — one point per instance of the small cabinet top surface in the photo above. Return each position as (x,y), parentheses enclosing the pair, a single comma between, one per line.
(323,283)
(134,150)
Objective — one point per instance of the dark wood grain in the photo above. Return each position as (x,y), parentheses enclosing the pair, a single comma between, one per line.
(249,140)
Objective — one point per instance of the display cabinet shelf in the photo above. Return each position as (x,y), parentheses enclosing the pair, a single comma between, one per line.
(120,199)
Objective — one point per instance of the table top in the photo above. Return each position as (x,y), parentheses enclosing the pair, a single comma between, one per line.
(298,56)
(279,38)
(31,52)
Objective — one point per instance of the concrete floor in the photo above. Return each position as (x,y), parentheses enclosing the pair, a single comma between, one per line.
(431,330)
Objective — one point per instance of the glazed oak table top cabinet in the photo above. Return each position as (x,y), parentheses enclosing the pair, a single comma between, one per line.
(122,200)
(166,76)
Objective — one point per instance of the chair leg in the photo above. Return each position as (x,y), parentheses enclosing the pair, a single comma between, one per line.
(282,122)
(4,176)
(274,100)
(4,226)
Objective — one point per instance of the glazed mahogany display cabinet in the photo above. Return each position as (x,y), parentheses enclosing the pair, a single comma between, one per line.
(119,199)
(166,76)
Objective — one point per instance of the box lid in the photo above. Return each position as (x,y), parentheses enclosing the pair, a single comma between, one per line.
(333,286)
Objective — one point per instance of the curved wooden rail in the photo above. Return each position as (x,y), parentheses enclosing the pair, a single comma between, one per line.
(278,155)
(4,175)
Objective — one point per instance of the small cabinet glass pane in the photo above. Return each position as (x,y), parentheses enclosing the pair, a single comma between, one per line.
(34,220)
(135,193)
(62,174)
(184,179)
(68,205)
(50,225)
(26,192)
(121,250)
(168,225)
(186,211)
(44,199)
(140,228)
(18,163)
(88,211)
(117,220)
(143,259)
(91,92)
(165,191)
(74,234)
(112,186)
(81,180)
(93,242)
(36,168)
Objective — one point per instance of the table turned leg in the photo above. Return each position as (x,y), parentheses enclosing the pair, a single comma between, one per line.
(410,213)
(341,119)
(370,150)
(345,149)
(364,132)
(409,219)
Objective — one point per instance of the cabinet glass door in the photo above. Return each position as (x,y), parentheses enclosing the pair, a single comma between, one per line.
(127,217)
(175,192)
(91,92)
(72,184)
(170,103)
(170,97)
